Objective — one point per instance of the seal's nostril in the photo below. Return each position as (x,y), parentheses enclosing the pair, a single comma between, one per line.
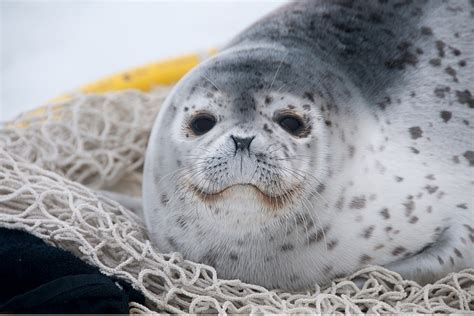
(242,143)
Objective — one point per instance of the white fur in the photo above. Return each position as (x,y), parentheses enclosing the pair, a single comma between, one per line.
(280,247)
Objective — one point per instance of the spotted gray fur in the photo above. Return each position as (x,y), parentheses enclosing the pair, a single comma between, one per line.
(381,173)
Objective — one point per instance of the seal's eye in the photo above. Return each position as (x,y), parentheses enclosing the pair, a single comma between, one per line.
(291,123)
(202,123)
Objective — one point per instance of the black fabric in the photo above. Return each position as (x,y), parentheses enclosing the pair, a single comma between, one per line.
(38,278)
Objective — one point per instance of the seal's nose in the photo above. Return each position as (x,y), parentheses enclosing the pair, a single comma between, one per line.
(242,143)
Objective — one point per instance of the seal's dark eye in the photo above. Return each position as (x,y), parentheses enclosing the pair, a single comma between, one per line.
(202,123)
(291,123)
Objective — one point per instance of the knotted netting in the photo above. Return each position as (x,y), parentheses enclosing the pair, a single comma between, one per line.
(51,160)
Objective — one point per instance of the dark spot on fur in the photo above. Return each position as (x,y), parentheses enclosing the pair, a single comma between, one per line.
(383,104)
(456,159)
(404,58)
(367,233)
(358,202)
(164,199)
(309,96)
(469,228)
(452,260)
(186,109)
(415,132)
(172,243)
(414,150)
(462,206)
(267,129)
(346,28)
(351,151)
(446,116)
(398,251)
(413,219)
(456,52)
(321,187)
(462,63)
(440,195)
(379,246)
(441,91)
(465,97)
(458,253)
(431,189)
(268,100)
(440,260)
(450,71)
(398,179)
(332,244)
(233,256)
(317,236)
(364,259)
(327,269)
(469,155)
(375,18)
(287,247)
(409,207)
(435,62)
(440,47)
(385,213)
(340,203)
(425,30)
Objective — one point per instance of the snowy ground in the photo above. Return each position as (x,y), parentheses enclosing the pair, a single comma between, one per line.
(51,47)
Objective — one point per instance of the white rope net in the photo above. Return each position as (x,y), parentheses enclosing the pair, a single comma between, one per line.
(50,159)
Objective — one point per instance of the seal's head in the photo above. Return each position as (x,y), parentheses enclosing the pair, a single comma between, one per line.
(239,150)
(236,143)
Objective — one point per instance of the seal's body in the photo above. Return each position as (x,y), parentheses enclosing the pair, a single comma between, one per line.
(327,136)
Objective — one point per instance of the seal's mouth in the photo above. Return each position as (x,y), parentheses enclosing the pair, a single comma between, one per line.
(271,201)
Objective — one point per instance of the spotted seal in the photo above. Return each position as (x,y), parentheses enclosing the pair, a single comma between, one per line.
(327,136)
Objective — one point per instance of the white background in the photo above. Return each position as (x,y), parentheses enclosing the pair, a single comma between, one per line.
(51,47)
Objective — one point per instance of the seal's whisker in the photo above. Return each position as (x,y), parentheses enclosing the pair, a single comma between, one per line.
(278,69)
(281,87)
(205,89)
(311,213)
(212,83)
(272,151)
(272,144)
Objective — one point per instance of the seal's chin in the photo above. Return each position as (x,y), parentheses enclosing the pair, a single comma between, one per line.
(269,200)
